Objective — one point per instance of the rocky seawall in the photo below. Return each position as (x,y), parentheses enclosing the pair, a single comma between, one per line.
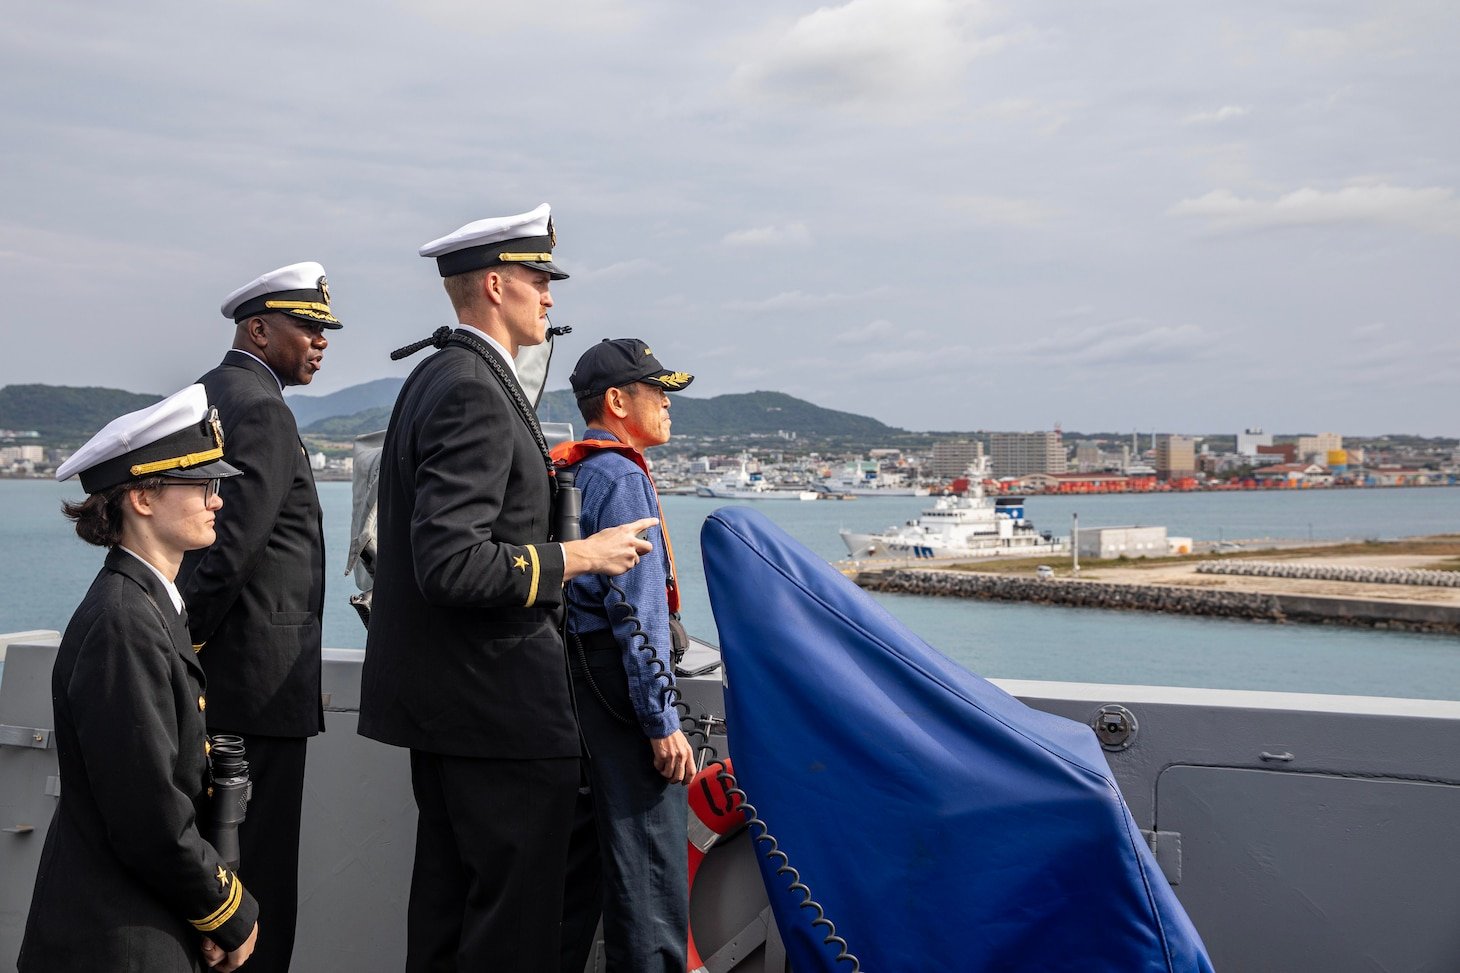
(1259,606)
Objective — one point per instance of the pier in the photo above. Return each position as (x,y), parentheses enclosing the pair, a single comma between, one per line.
(1312,586)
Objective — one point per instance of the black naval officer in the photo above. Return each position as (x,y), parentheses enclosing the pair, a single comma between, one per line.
(464,663)
(126,881)
(256,597)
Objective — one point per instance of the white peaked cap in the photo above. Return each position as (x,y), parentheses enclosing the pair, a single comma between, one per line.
(299,289)
(178,436)
(527,238)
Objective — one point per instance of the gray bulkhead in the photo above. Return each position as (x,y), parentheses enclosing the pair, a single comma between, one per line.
(1300,832)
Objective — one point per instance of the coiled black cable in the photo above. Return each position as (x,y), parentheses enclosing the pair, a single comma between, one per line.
(669,696)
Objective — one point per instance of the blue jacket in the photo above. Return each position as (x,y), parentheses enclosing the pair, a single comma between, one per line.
(616,491)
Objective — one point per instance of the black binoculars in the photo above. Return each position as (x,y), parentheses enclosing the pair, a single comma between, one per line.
(567,507)
(228,794)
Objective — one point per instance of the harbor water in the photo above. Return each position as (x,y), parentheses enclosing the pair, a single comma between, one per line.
(45,569)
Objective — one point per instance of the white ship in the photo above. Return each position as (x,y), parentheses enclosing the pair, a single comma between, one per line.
(862,478)
(970,526)
(750,484)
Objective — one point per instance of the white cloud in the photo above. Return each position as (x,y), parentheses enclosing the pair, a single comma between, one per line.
(591,16)
(1047,118)
(881,52)
(623,268)
(882,331)
(1332,43)
(782,235)
(1005,210)
(800,301)
(1130,341)
(1224,114)
(1433,209)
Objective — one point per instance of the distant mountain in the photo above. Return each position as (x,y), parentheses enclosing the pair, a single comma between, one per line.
(60,412)
(748,414)
(309,409)
(743,414)
(348,427)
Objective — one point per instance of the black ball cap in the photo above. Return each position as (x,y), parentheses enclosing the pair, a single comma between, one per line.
(618,362)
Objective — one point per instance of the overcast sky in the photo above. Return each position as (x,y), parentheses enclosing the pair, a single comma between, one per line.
(1163,216)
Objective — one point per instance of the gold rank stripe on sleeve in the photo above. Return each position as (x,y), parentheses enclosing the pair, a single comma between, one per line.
(225,911)
(536,573)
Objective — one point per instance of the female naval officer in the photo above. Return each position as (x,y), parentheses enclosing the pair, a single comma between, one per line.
(126,881)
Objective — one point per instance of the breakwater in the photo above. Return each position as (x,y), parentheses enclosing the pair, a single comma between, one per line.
(1332,572)
(1258,606)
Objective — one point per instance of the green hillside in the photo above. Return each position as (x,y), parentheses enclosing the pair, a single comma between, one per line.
(748,414)
(63,413)
(742,414)
(348,427)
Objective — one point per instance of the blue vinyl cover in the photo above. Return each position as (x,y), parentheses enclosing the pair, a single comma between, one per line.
(941,823)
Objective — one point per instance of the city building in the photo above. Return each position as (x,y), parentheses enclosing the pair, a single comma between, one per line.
(1175,456)
(1113,542)
(952,459)
(1279,453)
(1249,439)
(18,455)
(1018,453)
(1316,448)
(1089,457)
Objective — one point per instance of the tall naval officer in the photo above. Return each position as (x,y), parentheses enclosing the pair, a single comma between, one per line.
(126,882)
(256,597)
(464,663)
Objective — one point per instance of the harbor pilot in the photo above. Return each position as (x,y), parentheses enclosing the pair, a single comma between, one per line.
(629,858)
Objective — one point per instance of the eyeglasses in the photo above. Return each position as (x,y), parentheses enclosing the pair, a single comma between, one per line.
(210,487)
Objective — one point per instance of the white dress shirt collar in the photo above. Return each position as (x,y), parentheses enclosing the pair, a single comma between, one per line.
(172,592)
(506,355)
(240,351)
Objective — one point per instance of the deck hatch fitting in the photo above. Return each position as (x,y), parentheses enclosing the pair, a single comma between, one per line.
(1115,726)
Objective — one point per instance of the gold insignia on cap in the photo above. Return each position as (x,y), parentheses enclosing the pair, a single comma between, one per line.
(310,309)
(217,425)
(552,233)
(190,459)
(520,563)
(673,380)
(324,289)
(648,350)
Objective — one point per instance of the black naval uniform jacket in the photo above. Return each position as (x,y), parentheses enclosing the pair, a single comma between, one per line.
(463,655)
(256,597)
(126,882)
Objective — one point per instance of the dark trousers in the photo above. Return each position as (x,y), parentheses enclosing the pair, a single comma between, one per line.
(629,856)
(268,844)
(491,848)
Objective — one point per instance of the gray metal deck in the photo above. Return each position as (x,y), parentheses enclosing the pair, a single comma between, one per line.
(1301,832)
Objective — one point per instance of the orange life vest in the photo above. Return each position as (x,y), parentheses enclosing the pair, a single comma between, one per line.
(569,454)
